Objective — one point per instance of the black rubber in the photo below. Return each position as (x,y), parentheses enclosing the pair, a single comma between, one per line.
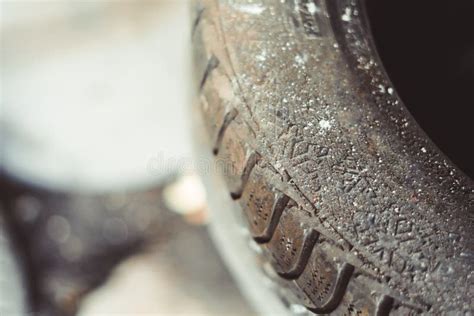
(355,208)
(432,69)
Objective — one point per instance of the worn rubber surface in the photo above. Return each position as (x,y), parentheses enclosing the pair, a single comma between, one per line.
(352,205)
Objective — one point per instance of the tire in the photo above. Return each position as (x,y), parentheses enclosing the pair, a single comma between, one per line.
(352,206)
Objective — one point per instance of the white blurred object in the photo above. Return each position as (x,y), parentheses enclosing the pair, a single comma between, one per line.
(91,95)
(187,197)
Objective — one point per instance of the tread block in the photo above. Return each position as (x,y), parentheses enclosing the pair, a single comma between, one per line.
(250,164)
(216,111)
(262,206)
(228,118)
(357,301)
(235,159)
(215,117)
(216,106)
(291,245)
(339,289)
(324,281)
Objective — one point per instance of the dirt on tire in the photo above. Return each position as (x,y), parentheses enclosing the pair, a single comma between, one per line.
(356,210)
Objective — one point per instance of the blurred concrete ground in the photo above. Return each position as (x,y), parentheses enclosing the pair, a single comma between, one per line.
(182,275)
(93,112)
(122,253)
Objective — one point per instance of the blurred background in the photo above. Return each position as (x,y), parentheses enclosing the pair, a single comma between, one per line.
(97,187)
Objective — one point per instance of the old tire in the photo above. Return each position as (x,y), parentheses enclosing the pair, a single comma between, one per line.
(354,209)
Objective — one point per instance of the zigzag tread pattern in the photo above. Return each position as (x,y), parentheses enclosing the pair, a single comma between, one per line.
(269,219)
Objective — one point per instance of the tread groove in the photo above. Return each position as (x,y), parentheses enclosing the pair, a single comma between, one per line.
(333,284)
(196,21)
(277,210)
(228,118)
(212,64)
(343,277)
(384,306)
(251,162)
(307,249)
